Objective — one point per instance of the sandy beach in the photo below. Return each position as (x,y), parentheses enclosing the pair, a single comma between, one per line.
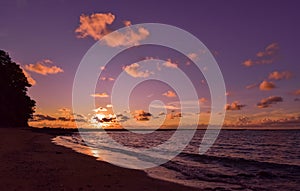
(29,161)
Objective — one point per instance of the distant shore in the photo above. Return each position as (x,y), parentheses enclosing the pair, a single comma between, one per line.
(29,161)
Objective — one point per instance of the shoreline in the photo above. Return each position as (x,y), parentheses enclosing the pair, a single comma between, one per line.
(30,161)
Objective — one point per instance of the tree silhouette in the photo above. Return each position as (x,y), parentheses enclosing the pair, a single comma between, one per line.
(16,107)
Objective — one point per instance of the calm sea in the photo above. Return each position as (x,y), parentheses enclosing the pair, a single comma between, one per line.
(238,160)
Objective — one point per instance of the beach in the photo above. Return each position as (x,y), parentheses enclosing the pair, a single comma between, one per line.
(30,161)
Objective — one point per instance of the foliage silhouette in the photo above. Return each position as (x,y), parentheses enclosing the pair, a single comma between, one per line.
(16,106)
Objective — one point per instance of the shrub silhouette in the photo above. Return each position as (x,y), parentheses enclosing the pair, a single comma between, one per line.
(16,107)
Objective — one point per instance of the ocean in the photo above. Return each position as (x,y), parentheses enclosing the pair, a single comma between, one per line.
(238,160)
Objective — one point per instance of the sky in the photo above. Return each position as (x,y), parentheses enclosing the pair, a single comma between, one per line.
(255,44)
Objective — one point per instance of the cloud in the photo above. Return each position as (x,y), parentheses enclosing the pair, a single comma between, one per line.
(169,94)
(266,86)
(122,118)
(297,99)
(270,50)
(64,110)
(100,95)
(170,64)
(243,120)
(94,25)
(267,102)
(65,118)
(127,23)
(107,79)
(267,56)
(234,106)
(141,115)
(251,86)
(202,100)
(129,38)
(30,80)
(109,105)
(41,117)
(282,122)
(161,113)
(170,107)
(104,119)
(134,70)
(173,115)
(100,109)
(42,68)
(228,93)
(248,63)
(193,56)
(280,75)
(297,92)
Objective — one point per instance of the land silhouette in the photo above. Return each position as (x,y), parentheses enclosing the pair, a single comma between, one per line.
(16,106)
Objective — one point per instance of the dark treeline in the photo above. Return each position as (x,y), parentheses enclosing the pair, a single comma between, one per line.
(16,106)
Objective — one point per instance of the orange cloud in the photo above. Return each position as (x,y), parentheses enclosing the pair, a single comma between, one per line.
(65,118)
(128,38)
(251,86)
(234,106)
(228,93)
(42,68)
(127,23)
(280,75)
(94,25)
(267,102)
(169,64)
(248,63)
(100,110)
(107,79)
(134,70)
(270,50)
(267,56)
(30,80)
(100,95)
(193,56)
(173,115)
(169,94)
(266,86)
(297,92)
(141,115)
(202,100)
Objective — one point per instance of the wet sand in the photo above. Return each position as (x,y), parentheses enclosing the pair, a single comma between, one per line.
(29,161)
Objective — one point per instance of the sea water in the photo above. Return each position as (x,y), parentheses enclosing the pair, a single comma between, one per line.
(238,160)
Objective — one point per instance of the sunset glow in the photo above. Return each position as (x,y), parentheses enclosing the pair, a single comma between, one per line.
(257,55)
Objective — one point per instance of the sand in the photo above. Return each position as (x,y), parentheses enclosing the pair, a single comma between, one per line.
(29,161)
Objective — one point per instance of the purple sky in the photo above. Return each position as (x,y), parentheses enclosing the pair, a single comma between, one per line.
(235,31)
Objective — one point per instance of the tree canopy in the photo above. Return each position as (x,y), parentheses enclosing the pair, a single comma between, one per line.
(16,106)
